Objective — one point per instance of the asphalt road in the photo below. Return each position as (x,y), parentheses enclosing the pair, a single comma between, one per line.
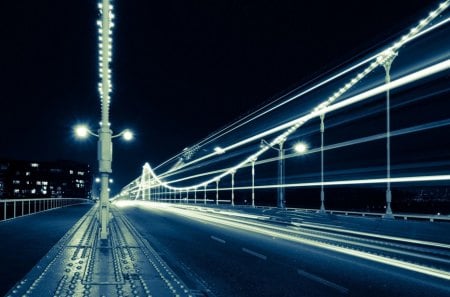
(224,260)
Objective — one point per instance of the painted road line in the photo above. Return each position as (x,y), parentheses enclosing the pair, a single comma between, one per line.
(322,281)
(218,239)
(258,255)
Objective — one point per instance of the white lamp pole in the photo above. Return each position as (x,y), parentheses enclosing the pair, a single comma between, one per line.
(387,67)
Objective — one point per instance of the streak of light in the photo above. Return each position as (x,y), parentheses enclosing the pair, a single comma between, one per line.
(229,129)
(404,131)
(327,106)
(272,232)
(405,179)
(431,70)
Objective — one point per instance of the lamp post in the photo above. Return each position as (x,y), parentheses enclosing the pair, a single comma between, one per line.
(322,193)
(104,155)
(388,59)
(300,148)
(253,182)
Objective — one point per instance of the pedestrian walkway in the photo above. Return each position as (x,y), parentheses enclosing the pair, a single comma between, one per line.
(81,264)
(25,240)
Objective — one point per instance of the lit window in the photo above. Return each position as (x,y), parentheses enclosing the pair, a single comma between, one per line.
(35,165)
(80,173)
(27,173)
(16,191)
(33,191)
(16,182)
(38,183)
(71,171)
(45,183)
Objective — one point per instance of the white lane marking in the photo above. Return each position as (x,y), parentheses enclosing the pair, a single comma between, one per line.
(261,256)
(218,239)
(322,281)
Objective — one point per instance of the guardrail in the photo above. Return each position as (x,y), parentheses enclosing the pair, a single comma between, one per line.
(13,208)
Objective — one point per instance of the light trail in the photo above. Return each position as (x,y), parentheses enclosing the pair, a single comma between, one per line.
(437,68)
(404,179)
(327,106)
(224,131)
(296,236)
(404,131)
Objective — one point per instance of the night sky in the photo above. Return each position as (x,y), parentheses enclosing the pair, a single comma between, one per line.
(181,69)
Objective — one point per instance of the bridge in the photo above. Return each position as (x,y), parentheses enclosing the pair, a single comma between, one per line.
(337,188)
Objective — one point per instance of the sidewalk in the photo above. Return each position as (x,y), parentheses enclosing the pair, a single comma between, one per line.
(27,239)
(81,264)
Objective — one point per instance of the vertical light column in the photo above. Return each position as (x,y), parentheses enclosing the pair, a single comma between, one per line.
(204,195)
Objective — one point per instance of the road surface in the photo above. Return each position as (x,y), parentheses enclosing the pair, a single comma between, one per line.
(234,254)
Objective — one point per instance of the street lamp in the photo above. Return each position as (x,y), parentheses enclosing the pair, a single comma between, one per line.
(300,148)
(104,156)
(83,131)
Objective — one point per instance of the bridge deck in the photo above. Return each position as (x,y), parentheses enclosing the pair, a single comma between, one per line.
(81,264)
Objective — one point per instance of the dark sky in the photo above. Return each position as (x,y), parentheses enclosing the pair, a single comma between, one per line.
(181,69)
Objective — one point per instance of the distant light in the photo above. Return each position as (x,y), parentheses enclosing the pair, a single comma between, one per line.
(81,131)
(97,179)
(128,135)
(111,180)
(219,150)
(300,147)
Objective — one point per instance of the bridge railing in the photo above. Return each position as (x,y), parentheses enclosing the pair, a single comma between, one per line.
(13,208)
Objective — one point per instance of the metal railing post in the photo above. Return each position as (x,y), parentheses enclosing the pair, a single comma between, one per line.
(204,195)
(232,188)
(195,196)
(253,183)
(217,192)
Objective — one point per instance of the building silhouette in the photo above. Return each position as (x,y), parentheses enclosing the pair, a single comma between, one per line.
(57,179)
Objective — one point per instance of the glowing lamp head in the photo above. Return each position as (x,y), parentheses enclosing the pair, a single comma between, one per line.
(219,150)
(300,148)
(81,131)
(128,135)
